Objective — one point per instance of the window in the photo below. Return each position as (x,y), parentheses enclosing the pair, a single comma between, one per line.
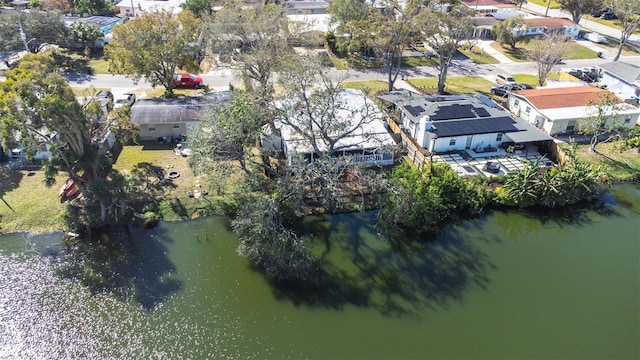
(452,141)
(528,109)
(516,103)
(151,128)
(571,126)
(176,126)
(627,120)
(499,137)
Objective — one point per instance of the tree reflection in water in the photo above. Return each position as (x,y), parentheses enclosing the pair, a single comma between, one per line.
(397,277)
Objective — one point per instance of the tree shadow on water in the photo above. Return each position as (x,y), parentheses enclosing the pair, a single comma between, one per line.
(397,277)
(122,261)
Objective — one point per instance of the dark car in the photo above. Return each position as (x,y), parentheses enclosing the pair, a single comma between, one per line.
(503,90)
(609,15)
(492,167)
(104,94)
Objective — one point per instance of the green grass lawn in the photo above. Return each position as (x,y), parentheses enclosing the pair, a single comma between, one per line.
(27,204)
(554,4)
(611,23)
(175,202)
(458,84)
(620,165)
(478,56)
(371,87)
(572,51)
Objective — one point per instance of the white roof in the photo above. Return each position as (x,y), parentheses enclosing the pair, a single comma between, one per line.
(317,22)
(151,6)
(581,112)
(354,104)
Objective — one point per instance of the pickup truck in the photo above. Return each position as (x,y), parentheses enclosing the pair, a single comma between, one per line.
(187,81)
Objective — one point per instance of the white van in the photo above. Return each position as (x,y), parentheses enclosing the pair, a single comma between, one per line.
(505,79)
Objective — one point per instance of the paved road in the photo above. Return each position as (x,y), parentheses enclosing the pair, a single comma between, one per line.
(221,79)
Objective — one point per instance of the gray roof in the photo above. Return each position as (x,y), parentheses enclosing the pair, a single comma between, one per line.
(98,21)
(305,4)
(624,71)
(177,110)
(460,115)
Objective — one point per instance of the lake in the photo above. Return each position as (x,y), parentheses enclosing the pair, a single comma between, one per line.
(513,284)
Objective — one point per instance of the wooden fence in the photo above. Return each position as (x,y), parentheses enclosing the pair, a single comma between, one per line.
(414,152)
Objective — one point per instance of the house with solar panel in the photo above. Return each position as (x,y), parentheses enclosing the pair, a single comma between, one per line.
(453,123)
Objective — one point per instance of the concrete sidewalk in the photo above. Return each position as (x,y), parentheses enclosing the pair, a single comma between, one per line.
(485,45)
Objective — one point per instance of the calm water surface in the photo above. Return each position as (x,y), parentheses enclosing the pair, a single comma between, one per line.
(511,285)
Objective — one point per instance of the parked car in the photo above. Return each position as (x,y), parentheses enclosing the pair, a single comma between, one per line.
(124,100)
(504,89)
(595,37)
(505,79)
(187,81)
(609,15)
(104,94)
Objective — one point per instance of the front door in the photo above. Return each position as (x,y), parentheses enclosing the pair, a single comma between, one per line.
(469,140)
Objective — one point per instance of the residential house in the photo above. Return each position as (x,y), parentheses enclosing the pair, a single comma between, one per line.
(498,9)
(623,79)
(482,26)
(539,26)
(448,123)
(560,110)
(172,118)
(133,8)
(370,144)
(305,7)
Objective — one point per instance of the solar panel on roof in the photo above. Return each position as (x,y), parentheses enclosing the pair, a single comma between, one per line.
(412,110)
(475,126)
(453,112)
(482,112)
(485,100)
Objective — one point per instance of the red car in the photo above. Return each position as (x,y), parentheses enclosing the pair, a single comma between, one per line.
(187,81)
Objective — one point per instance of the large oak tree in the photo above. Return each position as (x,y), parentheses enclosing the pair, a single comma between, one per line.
(154,46)
(578,8)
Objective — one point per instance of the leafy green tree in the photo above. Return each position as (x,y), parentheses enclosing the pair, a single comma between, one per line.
(93,7)
(345,11)
(40,27)
(424,201)
(444,34)
(251,40)
(605,118)
(84,34)
(628,13)
(557,186)
(504,31)
(198,7)
(38,109)
(269,244)
(577,8)
(154,46)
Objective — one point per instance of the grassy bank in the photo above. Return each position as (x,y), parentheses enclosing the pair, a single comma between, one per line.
(27,204)
(456,84)
(621,165)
